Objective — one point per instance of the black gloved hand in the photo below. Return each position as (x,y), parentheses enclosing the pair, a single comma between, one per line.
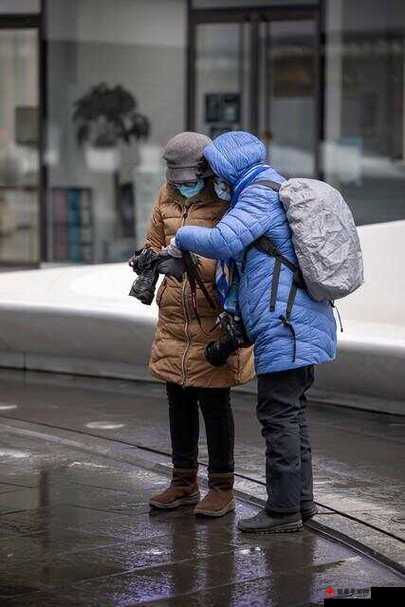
(144,261)
(135,261)
(171,266)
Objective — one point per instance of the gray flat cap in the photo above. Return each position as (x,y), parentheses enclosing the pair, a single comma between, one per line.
(183,155)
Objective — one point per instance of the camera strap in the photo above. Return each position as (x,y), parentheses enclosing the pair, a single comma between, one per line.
(194,278)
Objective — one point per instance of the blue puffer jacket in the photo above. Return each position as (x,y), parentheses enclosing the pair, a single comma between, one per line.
(258,211)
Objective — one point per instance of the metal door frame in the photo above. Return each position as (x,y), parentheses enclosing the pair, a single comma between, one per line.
(33,22)
(255,16)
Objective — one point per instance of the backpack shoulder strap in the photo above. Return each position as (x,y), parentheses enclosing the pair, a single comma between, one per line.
(273,185)
(265,244)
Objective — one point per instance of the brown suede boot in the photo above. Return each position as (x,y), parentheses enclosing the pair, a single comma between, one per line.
(183,490)
(219,499)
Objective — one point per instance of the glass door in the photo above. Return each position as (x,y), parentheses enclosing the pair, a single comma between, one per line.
(258,71)
(19,146)
(221,71)
(287,104)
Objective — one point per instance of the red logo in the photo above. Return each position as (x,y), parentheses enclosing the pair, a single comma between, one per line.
(330,592)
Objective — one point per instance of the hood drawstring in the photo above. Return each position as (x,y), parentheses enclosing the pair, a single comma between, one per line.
(334,306)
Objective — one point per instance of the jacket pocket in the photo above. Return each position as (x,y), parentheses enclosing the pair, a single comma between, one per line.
(161,291)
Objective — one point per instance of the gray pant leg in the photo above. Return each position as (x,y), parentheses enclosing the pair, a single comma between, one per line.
(281,413)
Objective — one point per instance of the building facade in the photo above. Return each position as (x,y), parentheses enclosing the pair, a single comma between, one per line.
(91,90)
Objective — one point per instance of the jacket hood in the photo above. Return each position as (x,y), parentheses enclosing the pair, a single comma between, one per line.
(230,155)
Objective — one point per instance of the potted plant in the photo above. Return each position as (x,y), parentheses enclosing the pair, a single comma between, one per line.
(106,116)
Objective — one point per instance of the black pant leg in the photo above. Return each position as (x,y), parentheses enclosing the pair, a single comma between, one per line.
(307,494)
(184,425)
(215,404)
(278,411)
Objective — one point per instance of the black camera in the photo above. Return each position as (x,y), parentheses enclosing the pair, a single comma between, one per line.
(235,337)
(145,264)
(148,265)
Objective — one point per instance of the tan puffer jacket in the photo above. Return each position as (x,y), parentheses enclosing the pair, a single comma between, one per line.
(178,350)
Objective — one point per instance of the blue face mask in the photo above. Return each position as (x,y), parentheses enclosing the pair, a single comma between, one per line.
(191,190)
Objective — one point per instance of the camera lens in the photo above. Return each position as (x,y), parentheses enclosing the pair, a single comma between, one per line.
(218,352)
(144,289)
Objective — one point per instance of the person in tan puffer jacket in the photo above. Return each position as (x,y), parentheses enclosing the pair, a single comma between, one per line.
(177,357)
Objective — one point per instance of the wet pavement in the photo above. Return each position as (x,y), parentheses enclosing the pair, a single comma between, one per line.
(75,527)
(76,530)
(359,457)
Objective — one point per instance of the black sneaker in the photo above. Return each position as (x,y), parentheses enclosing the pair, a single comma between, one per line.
(263,522)
(307,512)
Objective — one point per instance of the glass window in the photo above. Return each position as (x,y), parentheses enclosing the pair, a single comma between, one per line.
(20,6)
(220,48)
(116,95)
(19,143)
(365,106)
(287,95)
(278,103)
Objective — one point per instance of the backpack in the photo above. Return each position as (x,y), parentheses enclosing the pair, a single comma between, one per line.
(324,236)
(325,240)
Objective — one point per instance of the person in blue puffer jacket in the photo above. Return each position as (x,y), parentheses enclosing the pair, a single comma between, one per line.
(286,346)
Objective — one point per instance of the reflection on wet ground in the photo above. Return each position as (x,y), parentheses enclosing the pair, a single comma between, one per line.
(76,530)
(75,527)
(359,457)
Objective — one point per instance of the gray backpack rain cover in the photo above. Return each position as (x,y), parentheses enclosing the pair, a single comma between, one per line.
(324,236)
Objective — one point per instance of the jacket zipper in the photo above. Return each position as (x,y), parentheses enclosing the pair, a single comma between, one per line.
(186,324)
